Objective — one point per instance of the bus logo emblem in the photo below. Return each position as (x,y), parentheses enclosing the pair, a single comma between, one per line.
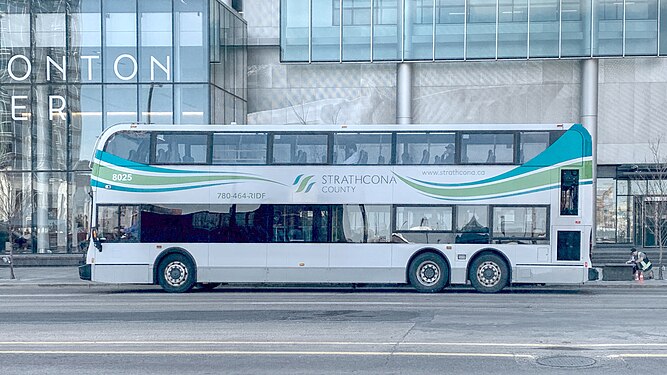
(303,183)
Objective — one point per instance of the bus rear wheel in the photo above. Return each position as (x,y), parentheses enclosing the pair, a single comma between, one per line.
(489,273)
(428,273)
(176,274)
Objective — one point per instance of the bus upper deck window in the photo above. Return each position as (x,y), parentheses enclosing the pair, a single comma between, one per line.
(129,145)
(569,192)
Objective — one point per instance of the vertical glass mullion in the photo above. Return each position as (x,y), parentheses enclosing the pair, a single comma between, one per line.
(310,31)
(658,26)
(403,12)
(528,31)
(623,29)
(465,30)
(590,46)
(560,28)
(433,30)
(497,20)
(372,26)
(340,32)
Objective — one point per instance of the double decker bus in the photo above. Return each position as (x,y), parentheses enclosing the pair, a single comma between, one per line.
(428,205)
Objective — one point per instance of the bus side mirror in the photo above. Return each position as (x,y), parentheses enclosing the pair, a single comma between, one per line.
(97,241)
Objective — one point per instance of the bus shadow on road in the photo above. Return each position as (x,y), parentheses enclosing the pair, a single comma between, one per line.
(354,289)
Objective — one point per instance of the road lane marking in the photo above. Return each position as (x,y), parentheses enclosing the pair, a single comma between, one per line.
(334,343)
(638,355)
(240,352)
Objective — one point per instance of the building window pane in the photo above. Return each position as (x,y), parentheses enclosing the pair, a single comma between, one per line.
(85,102)
(641,27)
(294,30)
(544,28)
(155,41)
(247,148)
(51,130)
(50,218)
(418,33)
(300,149)
(191,29)
(481,31)
(156,105)
(513,29)
(479,148)
(358,148)
(425,148)
(15,127)
(356,30)
(655,222)
(85,58)
(120,104)
(16,220)
(576,35)
(181,148)
(387,27)
(449,29)
(605,209)
(120,51)
(608,28)
(191,104)
(50,30)
(663,28)
(326,33)
(625,219)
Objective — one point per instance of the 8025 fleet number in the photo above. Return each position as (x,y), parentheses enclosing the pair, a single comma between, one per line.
(121,177)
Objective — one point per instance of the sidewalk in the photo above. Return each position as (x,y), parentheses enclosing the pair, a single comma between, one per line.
(69,276)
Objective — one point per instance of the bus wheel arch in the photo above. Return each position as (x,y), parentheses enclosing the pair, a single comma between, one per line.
(181,267)
(428,271)
(494,268)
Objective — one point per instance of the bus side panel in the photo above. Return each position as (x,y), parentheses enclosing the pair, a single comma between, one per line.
(122,273)
(240,262)
(550,274)
(363,263)
(298,262)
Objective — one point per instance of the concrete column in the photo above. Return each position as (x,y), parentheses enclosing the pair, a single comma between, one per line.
(589,118)
(404,93)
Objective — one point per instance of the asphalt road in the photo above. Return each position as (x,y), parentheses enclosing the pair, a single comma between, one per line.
(112,330)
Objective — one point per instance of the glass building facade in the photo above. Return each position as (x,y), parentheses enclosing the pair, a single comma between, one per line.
(422,30)
(71,68)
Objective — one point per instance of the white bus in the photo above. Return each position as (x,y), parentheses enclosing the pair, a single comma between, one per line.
(429,205)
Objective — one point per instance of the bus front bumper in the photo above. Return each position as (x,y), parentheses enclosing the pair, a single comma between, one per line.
(84,272)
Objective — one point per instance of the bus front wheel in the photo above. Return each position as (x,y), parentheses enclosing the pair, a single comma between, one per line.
(428,273)
(176,274)
(489,273)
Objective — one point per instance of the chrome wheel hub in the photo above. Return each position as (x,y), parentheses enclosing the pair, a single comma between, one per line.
(176,274)
(489,274)
(428,273)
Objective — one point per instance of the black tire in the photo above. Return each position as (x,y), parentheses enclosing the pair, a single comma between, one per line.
(428,273)
(176,273)
(489,273)
(207,286)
